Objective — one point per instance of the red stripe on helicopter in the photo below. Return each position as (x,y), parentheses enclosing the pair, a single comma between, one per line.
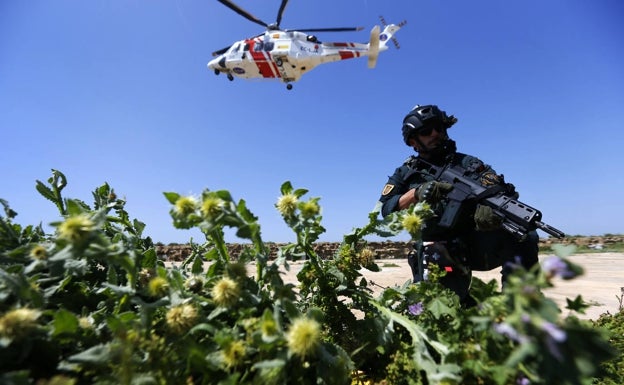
(342,44)
(348,54)
(265,65)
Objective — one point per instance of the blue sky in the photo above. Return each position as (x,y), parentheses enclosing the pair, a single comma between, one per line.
(119,92)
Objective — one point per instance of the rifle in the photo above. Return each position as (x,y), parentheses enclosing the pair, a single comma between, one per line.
(518,218)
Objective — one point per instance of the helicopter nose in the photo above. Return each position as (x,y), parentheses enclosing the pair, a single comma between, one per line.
(218,63)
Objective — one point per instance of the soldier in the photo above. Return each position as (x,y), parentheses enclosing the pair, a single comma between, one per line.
(477,241)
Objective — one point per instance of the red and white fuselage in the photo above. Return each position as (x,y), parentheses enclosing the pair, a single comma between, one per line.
(287,55)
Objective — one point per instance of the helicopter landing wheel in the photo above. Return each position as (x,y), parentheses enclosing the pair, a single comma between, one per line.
(217,72)
(230,77)
(289,86)
(279,62)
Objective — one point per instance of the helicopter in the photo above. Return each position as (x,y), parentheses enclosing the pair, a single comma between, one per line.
(283,54)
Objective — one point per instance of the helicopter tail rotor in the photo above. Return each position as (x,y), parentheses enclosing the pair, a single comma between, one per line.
(394,39)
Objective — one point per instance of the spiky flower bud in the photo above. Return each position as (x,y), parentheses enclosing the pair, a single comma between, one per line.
(181,318)
(304,337)
(158,287)
(39,252)
(287,204)
(366,257)
(194,284)
(236,270)
(185,205)
(226,292)
(233,354)
(17,323)
(309,209)
(211,208)
(76,228)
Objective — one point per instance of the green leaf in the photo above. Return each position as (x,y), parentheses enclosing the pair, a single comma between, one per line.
(111,276)
(578,304)
(286,188)
(225,195)
(64,322)
(45,191)
(139,227)
(172,197)
(198,265)
(150,258)
(269,364)
(99,355)
(439,308)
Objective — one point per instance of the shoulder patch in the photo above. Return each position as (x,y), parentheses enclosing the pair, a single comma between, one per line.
(387,188)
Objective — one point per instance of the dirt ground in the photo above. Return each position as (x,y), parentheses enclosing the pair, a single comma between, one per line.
(601,283)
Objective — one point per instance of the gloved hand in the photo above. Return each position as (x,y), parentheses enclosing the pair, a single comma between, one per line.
(433,191)
(486,219)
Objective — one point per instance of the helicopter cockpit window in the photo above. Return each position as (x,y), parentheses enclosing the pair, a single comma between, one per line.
(235,48)
(312,38)
(268,46)
(246,47)
(258,46)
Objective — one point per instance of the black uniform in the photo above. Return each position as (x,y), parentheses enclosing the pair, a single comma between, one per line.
(462,248)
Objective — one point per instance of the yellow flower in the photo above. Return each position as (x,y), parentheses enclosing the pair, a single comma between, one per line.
(304,337)
(226,292)
(309,209)
(412,224)
(76,228)
(233,354)
(211,207)
(157,287)
(18,322)
(287,204)
(39,252)
(185,205)
(181,318)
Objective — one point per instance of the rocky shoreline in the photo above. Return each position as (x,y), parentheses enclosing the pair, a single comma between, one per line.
(383,250)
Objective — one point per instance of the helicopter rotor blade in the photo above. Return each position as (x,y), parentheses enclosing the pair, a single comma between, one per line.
(280,12)
(345,29)
(221,51)
(242,12)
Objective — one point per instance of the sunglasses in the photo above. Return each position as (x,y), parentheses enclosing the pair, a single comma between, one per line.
(426,131)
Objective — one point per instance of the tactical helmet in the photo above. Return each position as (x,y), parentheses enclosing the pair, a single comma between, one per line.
(421,116)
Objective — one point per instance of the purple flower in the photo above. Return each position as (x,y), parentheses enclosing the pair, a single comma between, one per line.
(523,381)
(554,332)
(555,336)
(416,309)
(508,331)
(555,266)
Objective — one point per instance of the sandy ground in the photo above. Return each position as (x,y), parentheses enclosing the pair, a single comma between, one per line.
(602,281)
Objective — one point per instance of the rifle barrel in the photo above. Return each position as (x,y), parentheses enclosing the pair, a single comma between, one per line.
(550,230)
